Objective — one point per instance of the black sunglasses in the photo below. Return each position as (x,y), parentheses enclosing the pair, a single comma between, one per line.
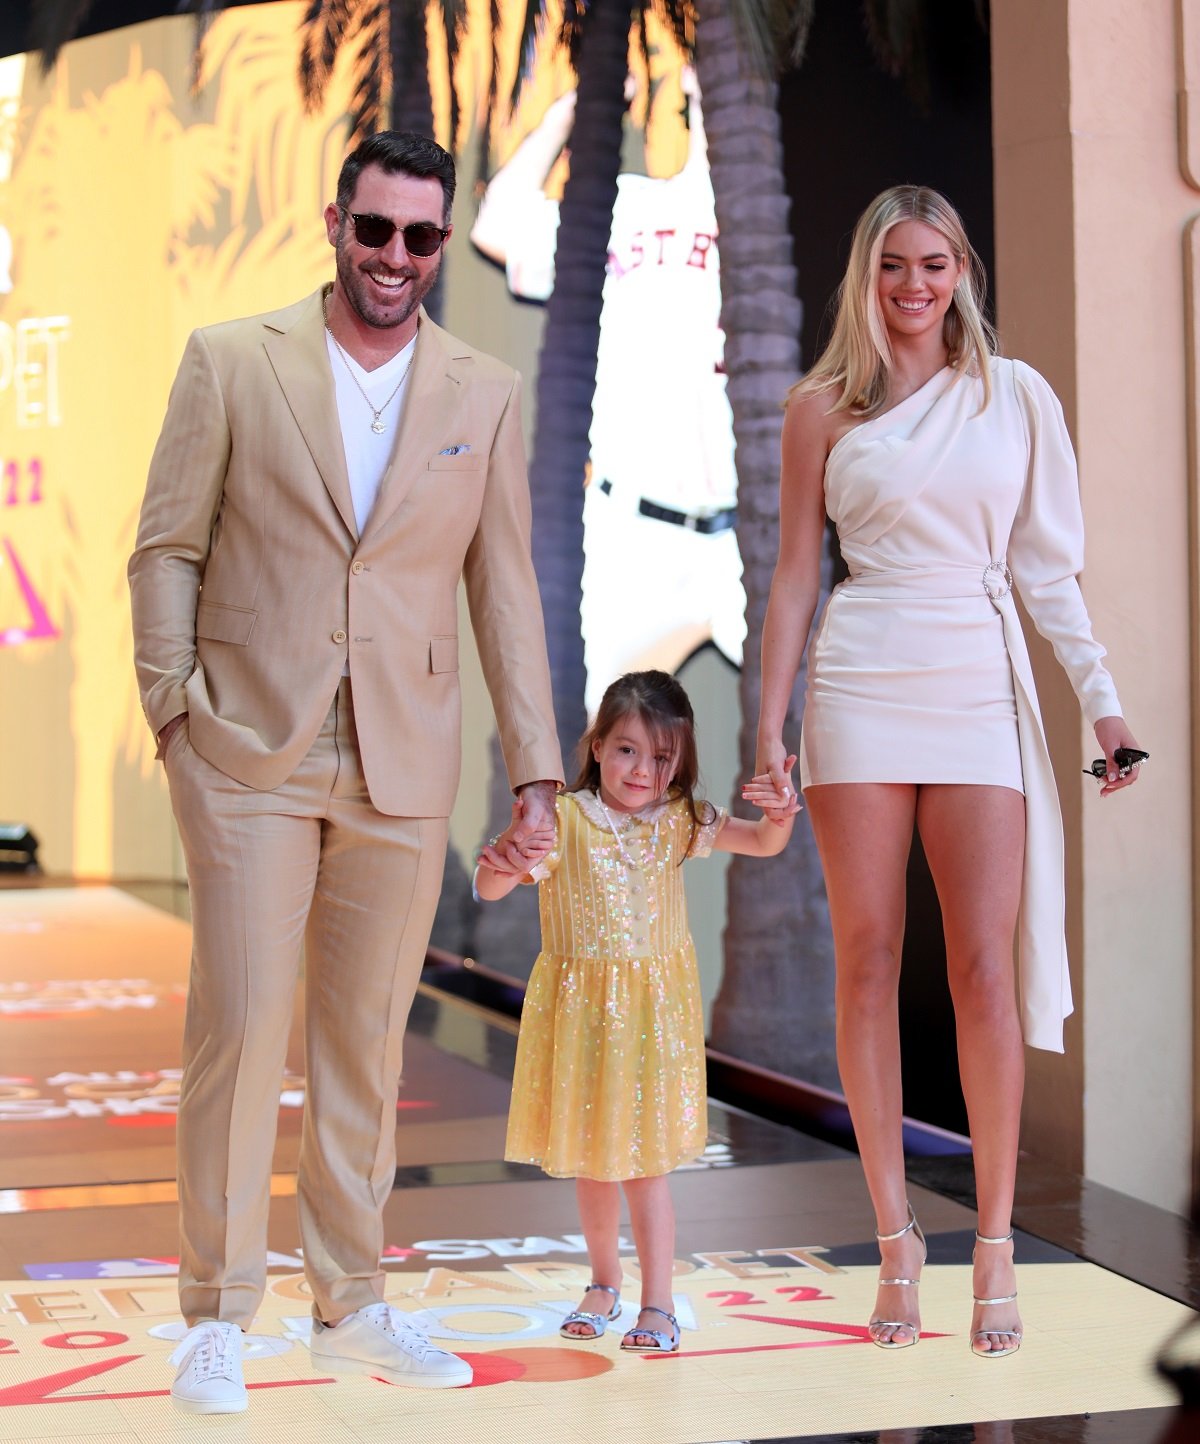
(422,238)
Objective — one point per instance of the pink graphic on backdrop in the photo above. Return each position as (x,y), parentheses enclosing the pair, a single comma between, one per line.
(39,627)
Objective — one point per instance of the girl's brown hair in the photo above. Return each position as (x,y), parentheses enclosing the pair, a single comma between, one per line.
(662,706)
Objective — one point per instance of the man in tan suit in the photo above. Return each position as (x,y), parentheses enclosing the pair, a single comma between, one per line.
(325,476)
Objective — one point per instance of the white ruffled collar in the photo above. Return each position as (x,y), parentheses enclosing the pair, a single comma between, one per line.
(617,823)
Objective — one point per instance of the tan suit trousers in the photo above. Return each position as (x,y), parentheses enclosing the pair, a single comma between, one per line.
(309,863)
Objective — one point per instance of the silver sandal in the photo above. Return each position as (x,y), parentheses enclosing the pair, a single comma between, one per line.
(913,1226)
(598,1323)
(663,1343)
(984,1303)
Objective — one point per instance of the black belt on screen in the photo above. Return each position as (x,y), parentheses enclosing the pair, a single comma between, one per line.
(705,522)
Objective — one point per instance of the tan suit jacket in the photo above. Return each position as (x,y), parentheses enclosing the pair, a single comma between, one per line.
(251,587)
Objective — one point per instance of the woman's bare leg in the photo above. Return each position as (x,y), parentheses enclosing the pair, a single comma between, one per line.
(600,1219)
(652,1217)
(864,835)
(974,839)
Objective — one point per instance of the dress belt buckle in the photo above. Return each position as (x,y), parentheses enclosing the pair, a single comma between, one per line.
(997,580)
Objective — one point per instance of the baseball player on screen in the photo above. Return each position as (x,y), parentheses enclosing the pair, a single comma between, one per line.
(662,572)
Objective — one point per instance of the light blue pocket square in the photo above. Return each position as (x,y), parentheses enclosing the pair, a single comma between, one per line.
(454,450)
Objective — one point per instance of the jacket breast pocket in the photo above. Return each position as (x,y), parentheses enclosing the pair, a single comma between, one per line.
(216,622)
(443,654)
(463,461)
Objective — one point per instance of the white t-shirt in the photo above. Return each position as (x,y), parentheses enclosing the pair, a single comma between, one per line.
(368,453)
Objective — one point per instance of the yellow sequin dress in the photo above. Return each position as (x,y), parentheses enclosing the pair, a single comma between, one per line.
(610,1080)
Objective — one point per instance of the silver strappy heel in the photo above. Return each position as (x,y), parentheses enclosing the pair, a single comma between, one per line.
(911,1226)
(984,1303)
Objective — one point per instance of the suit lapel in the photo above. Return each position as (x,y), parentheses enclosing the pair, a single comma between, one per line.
(301,362)
(435,393)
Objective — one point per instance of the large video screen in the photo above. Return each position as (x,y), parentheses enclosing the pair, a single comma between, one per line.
(142,195)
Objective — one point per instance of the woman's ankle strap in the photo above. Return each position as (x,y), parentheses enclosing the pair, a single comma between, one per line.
(900,1232)
(979,1238)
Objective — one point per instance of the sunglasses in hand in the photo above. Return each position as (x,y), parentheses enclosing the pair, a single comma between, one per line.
(422,238)
(1126,758)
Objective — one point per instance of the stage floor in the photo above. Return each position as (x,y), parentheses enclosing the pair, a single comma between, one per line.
(774,1276)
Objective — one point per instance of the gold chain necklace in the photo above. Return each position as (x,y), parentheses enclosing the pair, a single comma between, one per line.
(377,425)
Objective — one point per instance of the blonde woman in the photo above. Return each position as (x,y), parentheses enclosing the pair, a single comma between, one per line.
(950,476)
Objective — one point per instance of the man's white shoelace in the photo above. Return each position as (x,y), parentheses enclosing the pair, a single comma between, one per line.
(211,1353)
(395,1322)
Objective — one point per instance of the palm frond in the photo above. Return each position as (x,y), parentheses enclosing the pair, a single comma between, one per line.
(892,28)
(643,44)
(366,102)
(326,25)
(204,12)
(531,25)
(573,27)
(372,72)
(773,33)
(52,24)
(678,17)
(483,161)
(455,14)
(799,25)
(896,33)
(454,23)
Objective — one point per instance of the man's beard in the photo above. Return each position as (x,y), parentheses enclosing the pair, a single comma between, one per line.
(384,318)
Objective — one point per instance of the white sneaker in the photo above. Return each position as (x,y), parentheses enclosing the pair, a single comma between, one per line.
(383,1342)
(209,1380)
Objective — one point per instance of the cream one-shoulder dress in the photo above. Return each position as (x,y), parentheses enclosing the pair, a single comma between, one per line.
(919,671)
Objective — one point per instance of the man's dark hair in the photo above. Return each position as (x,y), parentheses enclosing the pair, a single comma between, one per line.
(399,152)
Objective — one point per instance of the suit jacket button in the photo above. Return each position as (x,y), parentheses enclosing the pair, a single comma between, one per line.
(339,636)
(357,568)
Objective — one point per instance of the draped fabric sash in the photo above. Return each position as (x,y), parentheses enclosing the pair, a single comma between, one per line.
(1042,942)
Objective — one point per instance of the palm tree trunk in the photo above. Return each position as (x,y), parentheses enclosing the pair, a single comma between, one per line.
(775,1004)
(567,364)
(411,100)
(411,103)
(506,938)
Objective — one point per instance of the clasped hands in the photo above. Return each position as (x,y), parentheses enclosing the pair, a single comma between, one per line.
(528,837)
(530,834)
(771,788)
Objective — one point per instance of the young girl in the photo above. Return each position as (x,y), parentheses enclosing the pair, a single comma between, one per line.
(609,1085)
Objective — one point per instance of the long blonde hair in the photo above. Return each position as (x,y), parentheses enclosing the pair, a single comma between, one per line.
(858,357)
